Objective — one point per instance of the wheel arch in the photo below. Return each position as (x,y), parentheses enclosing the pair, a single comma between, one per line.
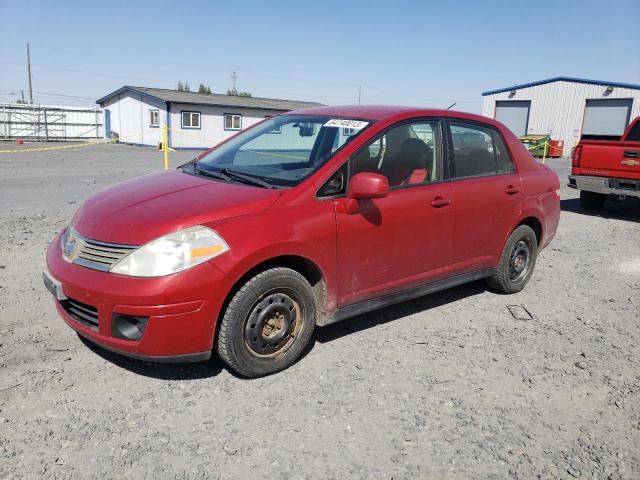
(535,224)
(301,264)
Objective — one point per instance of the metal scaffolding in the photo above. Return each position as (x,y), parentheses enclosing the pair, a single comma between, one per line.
(46,123)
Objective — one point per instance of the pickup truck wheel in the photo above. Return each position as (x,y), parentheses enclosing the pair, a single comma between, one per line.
(517,261)
(268,323)
(591,200)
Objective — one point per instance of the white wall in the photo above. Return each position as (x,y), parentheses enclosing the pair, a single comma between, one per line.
(558,108)
(130,118)
(211,129)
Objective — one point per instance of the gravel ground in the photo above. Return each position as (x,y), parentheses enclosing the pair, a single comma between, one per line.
(446,386)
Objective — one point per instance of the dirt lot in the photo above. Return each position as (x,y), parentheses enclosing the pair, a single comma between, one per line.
(447,386)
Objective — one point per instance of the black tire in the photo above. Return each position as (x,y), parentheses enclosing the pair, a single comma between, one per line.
(517,261)
(268,323)
(592,201)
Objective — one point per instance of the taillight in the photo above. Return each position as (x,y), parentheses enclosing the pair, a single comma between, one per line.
(575,155)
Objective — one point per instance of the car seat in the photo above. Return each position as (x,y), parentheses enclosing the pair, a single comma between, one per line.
(411,164)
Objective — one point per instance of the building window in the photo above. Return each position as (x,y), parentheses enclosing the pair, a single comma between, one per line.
(190,119)
(347,132)
(154,118)
(278,129)
(232,121)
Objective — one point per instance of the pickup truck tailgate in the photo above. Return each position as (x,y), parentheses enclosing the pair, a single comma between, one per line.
(611,159)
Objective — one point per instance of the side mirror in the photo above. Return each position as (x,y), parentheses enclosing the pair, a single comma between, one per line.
(368,185)
(365,185)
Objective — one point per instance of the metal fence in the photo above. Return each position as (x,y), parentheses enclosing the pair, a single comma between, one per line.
(48,123)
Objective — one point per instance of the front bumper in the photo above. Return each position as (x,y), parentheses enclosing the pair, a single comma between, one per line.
(606,185)
(179,311)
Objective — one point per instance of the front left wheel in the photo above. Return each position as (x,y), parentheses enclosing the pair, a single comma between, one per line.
(268,323)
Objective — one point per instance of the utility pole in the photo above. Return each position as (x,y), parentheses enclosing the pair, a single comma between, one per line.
(29,70)
(22,92)
(359,93)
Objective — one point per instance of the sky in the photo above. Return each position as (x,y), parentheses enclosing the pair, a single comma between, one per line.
(423,53)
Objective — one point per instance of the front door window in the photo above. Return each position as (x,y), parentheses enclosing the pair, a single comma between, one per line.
(407,154)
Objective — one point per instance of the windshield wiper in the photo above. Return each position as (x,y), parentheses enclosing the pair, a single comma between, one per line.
(251,179)
(229,175)
(190,163)
(210,173)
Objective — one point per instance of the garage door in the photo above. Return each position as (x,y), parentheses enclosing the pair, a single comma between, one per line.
(606,117)
(514,114)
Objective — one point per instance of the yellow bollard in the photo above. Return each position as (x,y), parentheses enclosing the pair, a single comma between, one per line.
(544,153)
(165,147)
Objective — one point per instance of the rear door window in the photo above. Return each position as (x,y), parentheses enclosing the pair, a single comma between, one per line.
(478,151)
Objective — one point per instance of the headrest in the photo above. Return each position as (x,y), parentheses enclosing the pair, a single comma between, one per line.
(415,150)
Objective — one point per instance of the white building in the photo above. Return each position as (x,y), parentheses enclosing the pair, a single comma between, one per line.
(194,120)
(565,108)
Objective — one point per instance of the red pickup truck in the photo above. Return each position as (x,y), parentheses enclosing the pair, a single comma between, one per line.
(600,168)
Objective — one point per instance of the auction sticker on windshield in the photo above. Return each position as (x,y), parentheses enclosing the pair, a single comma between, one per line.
(344,123)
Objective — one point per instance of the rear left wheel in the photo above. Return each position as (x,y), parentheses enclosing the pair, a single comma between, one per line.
(268,323)
(517,261)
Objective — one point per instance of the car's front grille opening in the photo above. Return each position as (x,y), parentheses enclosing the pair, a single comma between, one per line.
(83,313)
(100,256)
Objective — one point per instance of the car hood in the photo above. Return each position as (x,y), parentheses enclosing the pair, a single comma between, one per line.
(143,209)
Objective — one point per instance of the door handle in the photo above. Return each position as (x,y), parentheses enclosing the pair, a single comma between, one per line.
(439,202)
(511,190)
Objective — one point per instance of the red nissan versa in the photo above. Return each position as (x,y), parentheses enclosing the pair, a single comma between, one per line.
(305,219)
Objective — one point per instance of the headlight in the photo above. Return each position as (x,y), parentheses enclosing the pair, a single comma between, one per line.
(172,253)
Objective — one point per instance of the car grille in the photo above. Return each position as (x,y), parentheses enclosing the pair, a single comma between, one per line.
(99,255)
(92,253)
(85,314)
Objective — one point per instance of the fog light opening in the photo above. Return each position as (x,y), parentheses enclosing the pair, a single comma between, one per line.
(128,327)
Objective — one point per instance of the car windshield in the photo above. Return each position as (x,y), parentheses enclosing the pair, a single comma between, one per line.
(282,150)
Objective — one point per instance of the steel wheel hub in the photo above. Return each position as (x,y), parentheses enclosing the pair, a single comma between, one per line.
(519,260)
(271,324)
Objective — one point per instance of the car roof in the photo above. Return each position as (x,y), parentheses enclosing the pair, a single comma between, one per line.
(383,112)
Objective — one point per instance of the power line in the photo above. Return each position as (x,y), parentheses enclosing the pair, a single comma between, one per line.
(66,96)
(96,74)
(251,73)
(46,94)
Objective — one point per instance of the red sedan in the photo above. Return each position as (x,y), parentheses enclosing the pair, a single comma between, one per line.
(305,219)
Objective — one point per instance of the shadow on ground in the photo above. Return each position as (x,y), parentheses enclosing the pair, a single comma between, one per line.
(212,367)
(628,209)
(160,371)
(389,314)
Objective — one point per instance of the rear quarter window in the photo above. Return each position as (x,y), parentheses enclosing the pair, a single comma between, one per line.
(634,133)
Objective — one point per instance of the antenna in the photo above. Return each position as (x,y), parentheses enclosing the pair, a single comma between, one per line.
(29,71)
(451,106)
(234,76)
